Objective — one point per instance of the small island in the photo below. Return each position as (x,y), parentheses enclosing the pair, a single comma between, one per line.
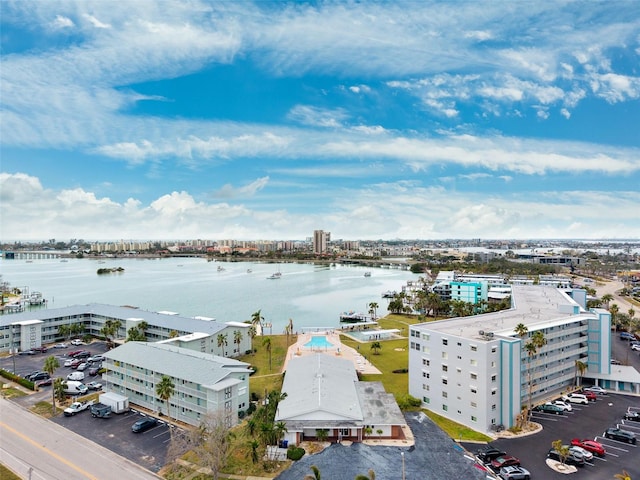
(102,271)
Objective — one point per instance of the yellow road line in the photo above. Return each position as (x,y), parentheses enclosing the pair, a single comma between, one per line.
(50,452)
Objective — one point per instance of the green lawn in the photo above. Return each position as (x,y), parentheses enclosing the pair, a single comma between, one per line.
(267,378)
(455,430)
(6,474)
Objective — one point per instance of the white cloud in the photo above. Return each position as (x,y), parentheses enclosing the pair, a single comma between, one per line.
(95,22)
(318,117)
(62,22)
(228,191)
(565,113)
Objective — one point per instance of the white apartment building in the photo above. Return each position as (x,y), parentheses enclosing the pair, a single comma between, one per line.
(476,371)
(202,382)
(320,241)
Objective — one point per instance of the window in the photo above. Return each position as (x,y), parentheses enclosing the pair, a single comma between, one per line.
(425,350)
(493,391)
(445,368)
(425,362)
(425,387)
(493,407)
(445,394)
(473,419)
(444,407)
(445,381)
(494,349)
(474,363)
(426,400)
(474,389)
(459,344)
(458,369)
(474,376)
(493,364)
(413,346)
(417,346)
(474,348)
(425,374)
(494,377)
(445,341)
(425,336)
(474,404)
(445,355)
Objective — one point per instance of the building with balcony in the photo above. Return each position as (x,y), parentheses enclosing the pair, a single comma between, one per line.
(203,382)
(476,371)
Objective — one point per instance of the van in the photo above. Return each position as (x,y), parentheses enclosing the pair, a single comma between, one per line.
(72,387)
(76,376)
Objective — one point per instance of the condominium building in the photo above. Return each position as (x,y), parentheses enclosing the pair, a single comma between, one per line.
(476,371)
(320,241)
(202,382)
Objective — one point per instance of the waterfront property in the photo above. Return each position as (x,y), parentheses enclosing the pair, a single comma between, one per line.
(324,395)
(28,330)
(477,371)
(203,382)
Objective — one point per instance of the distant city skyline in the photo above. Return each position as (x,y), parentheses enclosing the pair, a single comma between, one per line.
(269,120)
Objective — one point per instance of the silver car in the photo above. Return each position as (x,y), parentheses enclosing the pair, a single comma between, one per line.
(514,473)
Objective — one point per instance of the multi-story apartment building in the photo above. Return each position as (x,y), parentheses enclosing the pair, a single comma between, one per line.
(477,372)
(202,382)
(320,241)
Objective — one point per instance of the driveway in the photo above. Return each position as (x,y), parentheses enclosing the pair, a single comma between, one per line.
(435,456)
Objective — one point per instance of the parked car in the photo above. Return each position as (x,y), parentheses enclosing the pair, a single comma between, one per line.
(82,367)
(82,354)
(572,458)
(74,363)
(72,353)
(596,389)
(94,386)
(39,376)
(77,342)
(93,371)
(633,416)
(591,396)
(590,445)
(566,406)
(586,454)
(40,349)
(627,336)
(60,345)
(77,407)
(27,352)
(504,461)
(45,382)
(620,435)
(489,454)
(95,359)
(143,425)
(549,408)
(635,347)
(615,362)
(76,376)
(514,473)
(68,362)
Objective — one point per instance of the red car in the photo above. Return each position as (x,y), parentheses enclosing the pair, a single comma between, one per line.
(592,397)
(589,445)
(503,461)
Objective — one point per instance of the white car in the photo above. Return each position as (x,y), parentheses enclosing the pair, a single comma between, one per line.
(576,398)
(68,362)
(82,367)
(77,376)
(77,342)
(596,389)
(636,347)
(60,345)
(586,454)
(566,406)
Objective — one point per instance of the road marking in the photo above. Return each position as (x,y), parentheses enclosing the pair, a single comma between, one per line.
(51,453)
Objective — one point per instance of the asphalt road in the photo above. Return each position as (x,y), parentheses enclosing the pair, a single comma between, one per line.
(28,441)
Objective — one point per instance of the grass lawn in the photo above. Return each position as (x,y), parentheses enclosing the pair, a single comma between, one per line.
(267,378)
(9,392)
(455,430)
(6,474)
(44,409)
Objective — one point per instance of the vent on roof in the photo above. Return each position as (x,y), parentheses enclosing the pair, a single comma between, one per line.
(481,332)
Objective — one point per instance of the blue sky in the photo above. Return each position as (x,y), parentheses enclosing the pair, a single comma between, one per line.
(268,120)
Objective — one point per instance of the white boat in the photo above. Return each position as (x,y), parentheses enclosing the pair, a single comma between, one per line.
(220,268)
(367,274)
(274,276)
(249,270)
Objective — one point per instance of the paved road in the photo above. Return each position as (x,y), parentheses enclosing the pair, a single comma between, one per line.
(28,441)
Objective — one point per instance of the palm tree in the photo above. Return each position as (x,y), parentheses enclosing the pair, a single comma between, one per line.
(632,313)
(165,389)
(222,342)
(521,330)
(606,299)
(237,338)
(50,365)
(143,327)
(64,331)
(622,476)
(535,343)
(581,367)
(371,476)
(373,309)
(316,474)
(253,445)
(267,345)
(256,319)
(173,334)
(375,346)
(614,310)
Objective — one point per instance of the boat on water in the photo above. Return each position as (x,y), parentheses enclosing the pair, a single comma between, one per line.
(367,274)
(274,276)
(220,268)
(389,294)
(249,270)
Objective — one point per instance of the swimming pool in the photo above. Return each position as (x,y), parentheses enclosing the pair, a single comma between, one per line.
(318,341)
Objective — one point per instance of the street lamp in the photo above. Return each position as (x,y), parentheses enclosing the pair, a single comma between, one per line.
(402,455)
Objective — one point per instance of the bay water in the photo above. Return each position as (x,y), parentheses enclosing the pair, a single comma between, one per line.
(311,295)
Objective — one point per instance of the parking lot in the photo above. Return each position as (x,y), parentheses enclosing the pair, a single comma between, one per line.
(584,422)
(147,449)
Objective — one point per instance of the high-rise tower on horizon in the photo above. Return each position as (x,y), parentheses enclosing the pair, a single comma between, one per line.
(320,241)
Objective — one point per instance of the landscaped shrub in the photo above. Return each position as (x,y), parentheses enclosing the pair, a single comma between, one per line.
(18,379)
(408,402)
(295,453)
(251,409)
(401,370)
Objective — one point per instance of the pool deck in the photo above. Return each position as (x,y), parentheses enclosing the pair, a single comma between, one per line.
(337,349)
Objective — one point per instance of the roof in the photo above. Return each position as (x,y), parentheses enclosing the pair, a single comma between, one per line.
(197,367)
(537,306)
(378,406)
(167,320)
(320,387)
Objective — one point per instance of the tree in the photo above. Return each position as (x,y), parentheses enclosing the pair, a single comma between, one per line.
(64,331)
(614,310)
(373,309)
(622,476)
(376,346)
(143,327)
(316,474)
(237,338)
(256,319)
(135,335)
(254,445)
(581,367)
(606,299)
(267,345)
(165,389)
(110,330)
(396,305)
(563,450)
(50,366)
(173,334)
(322,434)
(535,343)
(521,330)
(58,389)
(222,342)
(371,476)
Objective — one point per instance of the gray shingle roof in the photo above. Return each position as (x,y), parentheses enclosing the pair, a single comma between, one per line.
(197,367)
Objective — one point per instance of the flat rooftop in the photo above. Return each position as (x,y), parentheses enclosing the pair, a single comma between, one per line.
(534,305)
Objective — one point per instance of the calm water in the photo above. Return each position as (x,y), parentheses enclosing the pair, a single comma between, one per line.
(313,296)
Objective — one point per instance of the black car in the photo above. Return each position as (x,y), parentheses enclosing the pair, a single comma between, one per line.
(633,416)
(489,454)
(572,458)
(81,355)
(39,376)
(144,425)
(620,435)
